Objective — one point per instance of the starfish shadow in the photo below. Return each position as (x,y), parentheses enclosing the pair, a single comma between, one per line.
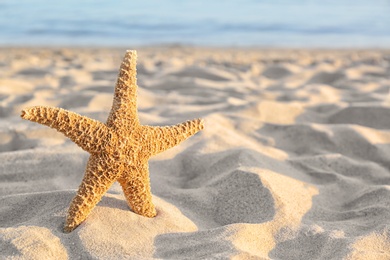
(111,202)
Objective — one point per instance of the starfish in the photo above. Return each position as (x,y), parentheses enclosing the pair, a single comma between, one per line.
(119,149)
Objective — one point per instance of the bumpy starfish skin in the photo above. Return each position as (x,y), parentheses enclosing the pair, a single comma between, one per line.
(120,148)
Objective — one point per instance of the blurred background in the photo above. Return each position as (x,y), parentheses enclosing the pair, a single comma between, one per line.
(267,23)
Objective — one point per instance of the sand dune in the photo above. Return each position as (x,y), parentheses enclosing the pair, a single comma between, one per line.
(294,162)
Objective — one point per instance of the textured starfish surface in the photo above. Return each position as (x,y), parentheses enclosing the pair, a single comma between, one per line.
(120,148)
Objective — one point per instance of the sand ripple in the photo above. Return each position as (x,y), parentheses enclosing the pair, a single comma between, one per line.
(294,162)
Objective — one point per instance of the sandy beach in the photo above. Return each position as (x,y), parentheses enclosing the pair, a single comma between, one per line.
(293,163)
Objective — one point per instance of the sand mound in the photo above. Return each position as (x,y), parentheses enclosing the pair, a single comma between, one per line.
(370,116)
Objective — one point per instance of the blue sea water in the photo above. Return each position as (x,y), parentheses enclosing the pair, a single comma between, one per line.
(266,23)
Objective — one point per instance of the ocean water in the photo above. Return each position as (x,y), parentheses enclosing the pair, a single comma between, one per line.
(267,23)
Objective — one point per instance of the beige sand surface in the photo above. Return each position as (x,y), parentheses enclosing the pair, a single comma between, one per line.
(294,162)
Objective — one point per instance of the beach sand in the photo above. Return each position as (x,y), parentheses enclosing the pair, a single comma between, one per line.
(293,163)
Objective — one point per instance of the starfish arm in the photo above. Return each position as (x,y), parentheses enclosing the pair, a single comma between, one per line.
(87,133)
(124,108)
(136,187)
(100,174)
(163,138)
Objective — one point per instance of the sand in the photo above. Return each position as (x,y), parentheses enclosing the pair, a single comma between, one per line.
(294,162)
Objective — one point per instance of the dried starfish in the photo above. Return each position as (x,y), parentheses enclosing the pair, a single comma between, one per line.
(120,148)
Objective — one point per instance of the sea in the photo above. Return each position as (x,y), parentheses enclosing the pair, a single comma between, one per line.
(229,23)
